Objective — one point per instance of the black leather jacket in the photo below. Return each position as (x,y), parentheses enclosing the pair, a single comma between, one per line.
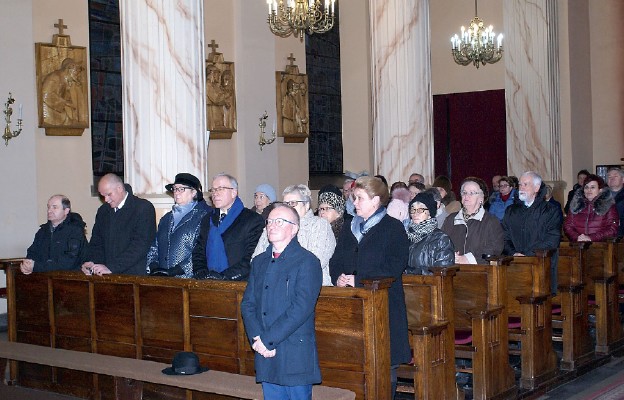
(435,250)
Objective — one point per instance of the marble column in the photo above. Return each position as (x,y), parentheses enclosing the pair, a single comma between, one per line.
(532,87)
(163,92)
(401,89)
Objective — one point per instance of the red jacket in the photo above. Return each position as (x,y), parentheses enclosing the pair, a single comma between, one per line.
(597,219)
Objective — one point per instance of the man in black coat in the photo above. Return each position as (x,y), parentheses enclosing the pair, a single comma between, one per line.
(531,223)
(60,243)
(124,229)
(228,235)
(615,179)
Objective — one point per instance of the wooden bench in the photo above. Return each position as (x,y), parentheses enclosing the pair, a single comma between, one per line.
(130,374)
(529,308)
(480,323)
(572,299)
(431,335)
(150,318)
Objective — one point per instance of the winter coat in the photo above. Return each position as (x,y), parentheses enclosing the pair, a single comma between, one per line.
(278,306)
(382,252)
(597,219)
(480,235)
(173,246)
(619,204)
(434,250)
(498,206)
(61,249)
(530,228)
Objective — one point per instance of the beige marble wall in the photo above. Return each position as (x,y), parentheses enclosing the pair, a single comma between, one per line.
(401,89)
(163,92)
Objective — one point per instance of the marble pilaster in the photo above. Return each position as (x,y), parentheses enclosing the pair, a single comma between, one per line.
(532,87)
(163,92)
(401,89)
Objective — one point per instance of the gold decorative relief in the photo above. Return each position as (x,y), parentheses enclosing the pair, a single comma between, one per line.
(220,95)
(293,118)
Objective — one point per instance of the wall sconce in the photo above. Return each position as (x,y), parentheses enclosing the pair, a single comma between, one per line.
(8,111)
(262,141)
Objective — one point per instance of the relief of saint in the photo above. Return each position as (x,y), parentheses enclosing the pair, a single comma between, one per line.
(63,96)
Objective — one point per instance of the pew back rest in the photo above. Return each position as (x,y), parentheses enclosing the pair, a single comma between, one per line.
(528,280)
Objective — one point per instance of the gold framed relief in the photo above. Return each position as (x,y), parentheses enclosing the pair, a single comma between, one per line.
(293,118)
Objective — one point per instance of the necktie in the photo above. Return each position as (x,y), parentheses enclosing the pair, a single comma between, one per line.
(222,217)
(276,254)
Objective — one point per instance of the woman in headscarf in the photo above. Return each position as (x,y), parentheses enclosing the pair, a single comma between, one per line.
(331,207)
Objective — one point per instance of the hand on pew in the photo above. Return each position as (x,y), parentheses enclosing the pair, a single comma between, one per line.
(519,255)
(345,281)
(27,266)
(90,268)
(583,238)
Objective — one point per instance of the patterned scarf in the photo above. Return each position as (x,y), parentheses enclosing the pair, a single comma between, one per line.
(180,211)
(359,227)
(417,231)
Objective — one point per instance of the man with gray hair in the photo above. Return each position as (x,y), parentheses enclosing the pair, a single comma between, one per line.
(532,223)
(615,180)
(227,236)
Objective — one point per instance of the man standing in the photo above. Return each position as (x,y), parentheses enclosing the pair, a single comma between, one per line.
(615,180)
(60,243)
(124,229)
(227,236)
(532,223)
(278,311)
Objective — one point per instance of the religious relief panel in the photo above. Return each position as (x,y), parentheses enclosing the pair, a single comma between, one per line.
(293,118)
(62,85)
(220,95)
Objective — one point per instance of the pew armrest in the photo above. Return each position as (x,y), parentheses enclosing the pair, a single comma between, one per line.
(533,299)
(431,329)
(490,311)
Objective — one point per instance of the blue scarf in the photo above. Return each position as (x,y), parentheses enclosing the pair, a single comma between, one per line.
(215,249)
(359,227)
(179,211)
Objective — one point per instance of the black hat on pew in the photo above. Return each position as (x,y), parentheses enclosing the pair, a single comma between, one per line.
(184,363)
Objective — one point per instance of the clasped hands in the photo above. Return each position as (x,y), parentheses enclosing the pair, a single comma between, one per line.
(261,348)
(90,268)
(345,280)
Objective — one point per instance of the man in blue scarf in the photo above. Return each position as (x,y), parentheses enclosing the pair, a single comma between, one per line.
(228,235)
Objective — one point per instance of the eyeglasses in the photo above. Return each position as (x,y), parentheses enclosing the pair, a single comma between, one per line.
(464,193)
(323,209)
(293,203)
(503,185)
(180,189)
(218,190)
(414,211)
(278,222)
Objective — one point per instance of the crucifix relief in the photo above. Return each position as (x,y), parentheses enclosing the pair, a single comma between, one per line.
(60,26)
(292,103)
(220,95)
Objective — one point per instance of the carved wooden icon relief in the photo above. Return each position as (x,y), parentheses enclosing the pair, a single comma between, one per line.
(293,118)
(220,95)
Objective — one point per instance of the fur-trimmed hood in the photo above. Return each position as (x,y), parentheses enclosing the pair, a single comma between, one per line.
(602,202)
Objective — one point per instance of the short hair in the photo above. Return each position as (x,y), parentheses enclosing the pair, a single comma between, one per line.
(583,172)
(506,179)
(293,212)
(373,186)
(233,181)
(537,179)
(64,200)
(596,178)
(301,190)
(396,185)
(435,193)
(418,185)
(420,178)
(480,182)
(618,170)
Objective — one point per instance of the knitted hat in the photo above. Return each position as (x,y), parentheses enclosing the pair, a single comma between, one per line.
(426,199)
(331,195)
(188,180)
(267,190)
(443,182)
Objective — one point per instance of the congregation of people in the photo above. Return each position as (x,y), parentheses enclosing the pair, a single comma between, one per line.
(363,230)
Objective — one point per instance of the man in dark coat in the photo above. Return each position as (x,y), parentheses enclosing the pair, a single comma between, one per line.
(228,235)
(123,231)
(60,243)
(615,180)
(532,223)
(278,311)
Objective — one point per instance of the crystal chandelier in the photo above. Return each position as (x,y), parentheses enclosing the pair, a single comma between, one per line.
(300,16)
(476,45)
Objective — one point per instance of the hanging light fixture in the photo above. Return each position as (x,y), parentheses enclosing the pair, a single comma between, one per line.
(296,17)
(476,45)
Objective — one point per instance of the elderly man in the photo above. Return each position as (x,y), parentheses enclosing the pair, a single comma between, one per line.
(228,235)
(60,243)
(615,180)
(532,223)
(278,311)
(416,177)
(124,229)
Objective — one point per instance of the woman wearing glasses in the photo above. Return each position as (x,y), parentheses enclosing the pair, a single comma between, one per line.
(375,245)
(171,252)
(503,198)
(475,233)
(430,246)
(331,207)
(315,233)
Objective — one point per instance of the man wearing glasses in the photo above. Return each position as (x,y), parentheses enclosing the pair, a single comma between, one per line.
(278,310)
(228,235)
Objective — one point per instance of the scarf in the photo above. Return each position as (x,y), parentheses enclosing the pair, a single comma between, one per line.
(359,227)
(417,232)
(180,211)
(215,249)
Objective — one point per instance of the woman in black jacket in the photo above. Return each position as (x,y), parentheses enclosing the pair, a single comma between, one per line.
(430,246)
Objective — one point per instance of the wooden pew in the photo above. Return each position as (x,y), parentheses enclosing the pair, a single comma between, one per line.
(431,335)
(149,318)
(479,311)
(572,298)
(529,302)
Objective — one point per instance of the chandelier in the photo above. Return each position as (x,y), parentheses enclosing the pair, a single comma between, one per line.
(476,45)
(300,16)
